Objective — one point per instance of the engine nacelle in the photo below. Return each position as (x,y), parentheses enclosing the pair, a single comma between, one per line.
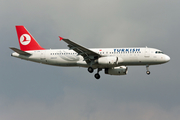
(122,70)
(110,60)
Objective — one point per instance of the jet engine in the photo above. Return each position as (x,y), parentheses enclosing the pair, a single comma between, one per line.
(110,60)
(122,70)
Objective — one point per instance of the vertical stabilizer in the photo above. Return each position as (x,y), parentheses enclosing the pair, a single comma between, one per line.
(26,40)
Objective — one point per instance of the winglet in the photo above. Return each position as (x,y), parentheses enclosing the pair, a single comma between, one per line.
(60,38)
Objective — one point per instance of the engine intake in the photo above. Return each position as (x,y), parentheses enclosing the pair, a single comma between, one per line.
(122,70)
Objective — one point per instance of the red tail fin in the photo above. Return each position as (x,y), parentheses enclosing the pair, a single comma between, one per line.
(26,40)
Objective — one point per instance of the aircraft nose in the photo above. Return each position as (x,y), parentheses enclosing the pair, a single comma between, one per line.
(167,58)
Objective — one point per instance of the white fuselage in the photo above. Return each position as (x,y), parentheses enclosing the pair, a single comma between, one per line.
(126,56)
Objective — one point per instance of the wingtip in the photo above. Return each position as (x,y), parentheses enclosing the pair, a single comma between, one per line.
(60,38)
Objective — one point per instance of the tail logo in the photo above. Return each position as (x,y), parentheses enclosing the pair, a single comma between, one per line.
(25,39)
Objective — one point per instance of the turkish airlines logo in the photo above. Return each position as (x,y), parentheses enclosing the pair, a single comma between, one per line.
(25,39)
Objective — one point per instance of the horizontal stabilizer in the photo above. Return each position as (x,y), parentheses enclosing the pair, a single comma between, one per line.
(19,51)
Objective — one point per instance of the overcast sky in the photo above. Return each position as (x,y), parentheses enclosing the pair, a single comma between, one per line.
(40,92)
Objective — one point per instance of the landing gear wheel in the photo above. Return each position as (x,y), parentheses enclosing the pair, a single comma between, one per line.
(97,76)
(147,68)
(148,72)
(90,69)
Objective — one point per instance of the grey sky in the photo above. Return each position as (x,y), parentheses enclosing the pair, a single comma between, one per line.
(34,91)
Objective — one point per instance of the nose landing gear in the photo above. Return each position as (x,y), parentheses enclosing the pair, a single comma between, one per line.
(147,68)
(148,72)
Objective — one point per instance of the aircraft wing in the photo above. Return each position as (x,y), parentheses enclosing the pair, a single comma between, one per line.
(87,54)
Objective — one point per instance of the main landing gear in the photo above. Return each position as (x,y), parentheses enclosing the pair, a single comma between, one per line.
(90,69)
(147,68)
(97,76)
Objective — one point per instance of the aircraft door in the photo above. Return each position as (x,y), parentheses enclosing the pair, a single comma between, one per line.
(43,56)
(147,52)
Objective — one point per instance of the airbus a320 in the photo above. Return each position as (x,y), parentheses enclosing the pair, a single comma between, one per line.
(114,61)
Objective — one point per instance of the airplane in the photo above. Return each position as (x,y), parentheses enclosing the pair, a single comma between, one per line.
(114,61)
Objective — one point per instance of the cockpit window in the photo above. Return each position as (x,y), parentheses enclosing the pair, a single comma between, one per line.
(159,52)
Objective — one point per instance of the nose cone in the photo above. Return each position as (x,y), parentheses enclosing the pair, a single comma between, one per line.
(167,58)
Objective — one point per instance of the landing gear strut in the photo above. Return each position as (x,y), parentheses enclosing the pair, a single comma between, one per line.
(97,76)
(147,68)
